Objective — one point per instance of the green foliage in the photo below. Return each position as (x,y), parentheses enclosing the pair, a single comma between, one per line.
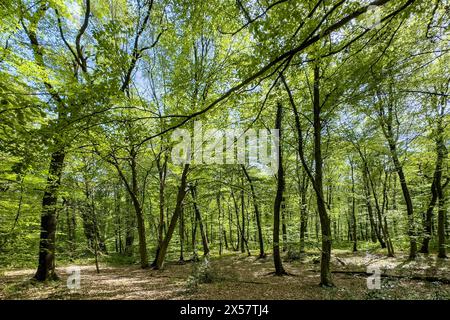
(116,259)
(202,272)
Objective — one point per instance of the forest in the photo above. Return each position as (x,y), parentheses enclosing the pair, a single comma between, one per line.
(120,121)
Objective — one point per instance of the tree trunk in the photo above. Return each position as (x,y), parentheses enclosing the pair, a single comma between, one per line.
(162,171)
(133,191)
(408,201)
(71,226)
(429,217)
(369,192)
(384,208)
(283,225)
(325,274)
(96,235)
(279,270)
(230,224)
(118,222)
(441,151)
(194,237)
(317,179)
(130,221)
(141,234)
(302,189)
(243,240)
(262,254)
(46,261)
(303,213)
(139,213)
(219,209)
(199,221)
(238,222)
(181,234)
(353,222)
(386,123)
(159,261)
(381,226)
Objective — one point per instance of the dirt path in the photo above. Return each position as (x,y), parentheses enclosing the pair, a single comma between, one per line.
(237,277)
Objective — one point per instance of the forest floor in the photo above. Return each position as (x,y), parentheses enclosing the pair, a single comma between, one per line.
(236,276)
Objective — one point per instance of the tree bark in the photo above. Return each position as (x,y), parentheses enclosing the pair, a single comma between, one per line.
(199,221)
(238,222)
(262,254)
(46,260)
(219,209)
(303,187)
(279,270)
(317,178)
(325,274)
(283,225)
(384,208)
(368,188)
(159,261)
(386,124)
(429,217)
(130,225)
(381,225)
(133,191)
(162,172)
(441,151)
(139,212)
(243,240)
(353,222)
(181,234)
(71,225)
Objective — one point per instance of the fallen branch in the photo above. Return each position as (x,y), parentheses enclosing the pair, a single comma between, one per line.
(418,278)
